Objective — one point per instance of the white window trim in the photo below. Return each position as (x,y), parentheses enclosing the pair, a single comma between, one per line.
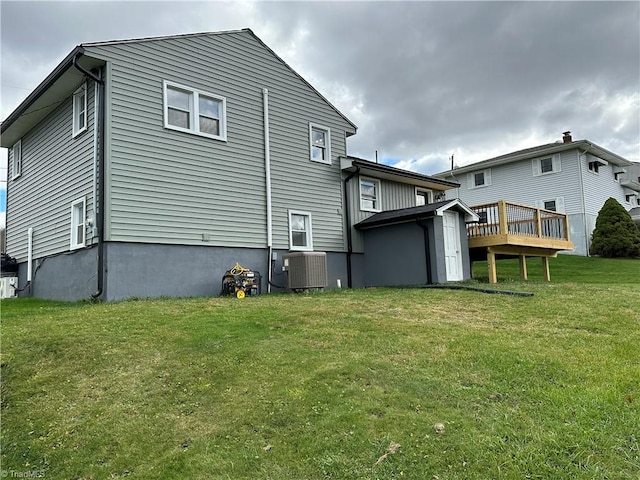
(428,191)
(16,162)
(378,194)
(74,244)
(556,165)
(309,246)
(471,179)
(76,130)
(560,208)
(194,111)
(327,131)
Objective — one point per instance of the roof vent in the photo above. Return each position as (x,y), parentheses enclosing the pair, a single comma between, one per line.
(566,137)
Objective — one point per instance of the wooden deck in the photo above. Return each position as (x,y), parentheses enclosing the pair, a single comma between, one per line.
(509,230)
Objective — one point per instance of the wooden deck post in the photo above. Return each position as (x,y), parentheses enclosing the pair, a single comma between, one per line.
(538,223)
(491,262)
(523,267)
(502,217)
(545,269)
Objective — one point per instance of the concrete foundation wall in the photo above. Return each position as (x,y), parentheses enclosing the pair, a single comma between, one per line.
(68,277)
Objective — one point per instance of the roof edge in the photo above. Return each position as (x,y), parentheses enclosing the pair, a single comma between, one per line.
(57,72)
(399,171)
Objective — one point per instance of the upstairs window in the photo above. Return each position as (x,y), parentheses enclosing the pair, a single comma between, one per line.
(80,110)
(300,237)
(550,205)
(423,197)
(546,165)
(320,144)
(594,167)
(370,195)
(192,111)
(478,179)
(78,224)
(16,165)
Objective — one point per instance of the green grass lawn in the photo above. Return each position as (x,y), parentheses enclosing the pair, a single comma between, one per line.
(322,386)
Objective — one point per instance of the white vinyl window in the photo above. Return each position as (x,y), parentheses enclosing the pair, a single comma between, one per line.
(300,236)
(554,204)
(370,195)
(78,223)
(16,164)
(320,144)
(481,178)
(80,110)
(193,111)
(423,196)
(546,165)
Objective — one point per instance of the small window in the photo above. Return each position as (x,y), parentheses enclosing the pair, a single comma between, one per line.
(320,144)
(478,179)
(78,223)
(629,198)
(80,110)
(300,237)
(483,217)
(546,165)
(16,153)
(423,197)
(594,167)
(550,205)
(192,111)
(370,195)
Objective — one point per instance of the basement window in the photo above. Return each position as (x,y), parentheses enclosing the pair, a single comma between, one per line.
(300,237)
(78,223)
(80,110)
(193,111)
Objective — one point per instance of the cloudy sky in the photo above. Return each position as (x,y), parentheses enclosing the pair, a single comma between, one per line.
(421,80)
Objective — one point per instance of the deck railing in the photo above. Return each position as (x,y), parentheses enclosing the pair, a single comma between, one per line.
(505,218)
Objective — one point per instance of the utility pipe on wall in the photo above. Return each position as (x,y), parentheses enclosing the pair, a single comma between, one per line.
(29,254)
(267,173)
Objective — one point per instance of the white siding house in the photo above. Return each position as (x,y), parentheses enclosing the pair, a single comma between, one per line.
(572,177)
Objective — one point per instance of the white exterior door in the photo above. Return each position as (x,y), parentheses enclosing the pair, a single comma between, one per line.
(452,253)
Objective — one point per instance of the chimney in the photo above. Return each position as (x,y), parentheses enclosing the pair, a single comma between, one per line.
(566,137)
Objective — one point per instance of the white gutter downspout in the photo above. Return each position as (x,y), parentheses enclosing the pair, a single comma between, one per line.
(29,254)
(267,173)
(584,205)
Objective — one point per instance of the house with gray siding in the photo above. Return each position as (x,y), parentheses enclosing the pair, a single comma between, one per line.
(574,177)
(151,166)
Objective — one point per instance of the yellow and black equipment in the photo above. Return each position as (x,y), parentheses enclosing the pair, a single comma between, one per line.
(240,281)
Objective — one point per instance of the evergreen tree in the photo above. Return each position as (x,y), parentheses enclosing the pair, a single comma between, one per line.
(615,235)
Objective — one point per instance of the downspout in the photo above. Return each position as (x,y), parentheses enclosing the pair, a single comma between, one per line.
(29,257)
(267,173)
(347,217)
(584,205)
(427,253)
(99,204)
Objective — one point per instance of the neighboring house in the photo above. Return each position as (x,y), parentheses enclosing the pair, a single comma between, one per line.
(572,177)
(149,167)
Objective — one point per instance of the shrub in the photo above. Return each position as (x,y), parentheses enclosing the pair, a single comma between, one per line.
(615,234)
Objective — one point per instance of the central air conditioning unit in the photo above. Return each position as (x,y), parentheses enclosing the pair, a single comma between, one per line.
(8,286)
(306,270)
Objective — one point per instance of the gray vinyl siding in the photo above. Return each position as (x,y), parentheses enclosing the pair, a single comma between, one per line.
(515,182)
(598,187)
(56,170)
(166,186)
(393,196)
